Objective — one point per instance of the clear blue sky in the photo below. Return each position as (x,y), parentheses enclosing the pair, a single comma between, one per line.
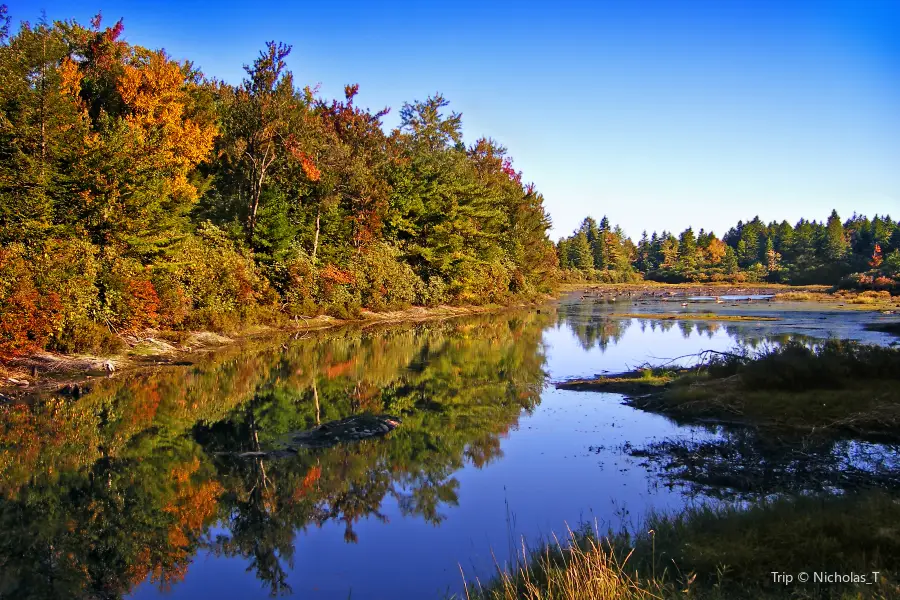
(657,114)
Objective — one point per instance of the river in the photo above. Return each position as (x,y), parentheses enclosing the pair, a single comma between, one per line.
(135,490)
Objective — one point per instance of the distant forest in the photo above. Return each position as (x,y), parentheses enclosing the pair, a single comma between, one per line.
(857,253)
(137,193)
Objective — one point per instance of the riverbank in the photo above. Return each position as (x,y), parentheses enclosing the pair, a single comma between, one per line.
(47,371)
(718,553)
(839,388)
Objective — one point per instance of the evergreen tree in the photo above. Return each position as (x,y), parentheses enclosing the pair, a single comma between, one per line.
(834,242)
(687,249)
(580,255)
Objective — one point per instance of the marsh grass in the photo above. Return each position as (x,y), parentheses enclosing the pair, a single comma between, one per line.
(795,366)
(641,380)
(836,386)
(584,567)
(716,553)
(849,299)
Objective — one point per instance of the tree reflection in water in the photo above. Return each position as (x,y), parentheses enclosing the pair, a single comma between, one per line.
(129,482)
(124,484)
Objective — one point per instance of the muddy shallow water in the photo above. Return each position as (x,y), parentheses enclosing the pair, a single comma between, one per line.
(134,489)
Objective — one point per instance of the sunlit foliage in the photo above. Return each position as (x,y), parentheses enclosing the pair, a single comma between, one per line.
(196,203)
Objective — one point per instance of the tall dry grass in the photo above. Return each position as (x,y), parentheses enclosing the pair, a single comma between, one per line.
(586,568)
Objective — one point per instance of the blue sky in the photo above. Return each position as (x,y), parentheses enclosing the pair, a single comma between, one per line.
(657,114)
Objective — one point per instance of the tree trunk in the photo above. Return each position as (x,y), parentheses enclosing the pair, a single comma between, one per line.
(316,399)
(256,190)
(316,238)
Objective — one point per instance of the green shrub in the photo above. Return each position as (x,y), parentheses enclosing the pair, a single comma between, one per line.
(432,293)
(383,281)
(342,302)
(298,284)
(129,300)
(86,336)
(798,367)
(481,282)
(220,285)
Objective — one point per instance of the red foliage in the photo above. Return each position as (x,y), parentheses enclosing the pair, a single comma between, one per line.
(332,275)
(309,167)
(884,283)
(338,369)
(877,259)
(27,316)
(513,175)
(106,48)
(142,304)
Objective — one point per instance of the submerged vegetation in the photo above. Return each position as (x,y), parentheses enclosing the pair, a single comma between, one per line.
(135,192)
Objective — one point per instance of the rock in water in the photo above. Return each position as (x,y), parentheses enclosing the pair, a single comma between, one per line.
(350,429)
(326,435)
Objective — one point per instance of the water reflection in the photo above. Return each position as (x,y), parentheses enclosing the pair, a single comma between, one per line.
(121,489)
(123,484)
(742,464)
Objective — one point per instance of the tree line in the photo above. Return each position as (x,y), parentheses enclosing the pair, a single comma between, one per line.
(857,253)
(136,192)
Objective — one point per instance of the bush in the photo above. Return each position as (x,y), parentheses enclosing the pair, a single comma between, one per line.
(298,283)
(342,302)
(84,335)
(433,293)
(212,280)
(130,302)
(174,304)
(871,281)
(481,282)
(42,289)
(27,317)
(797,367)
(383,282)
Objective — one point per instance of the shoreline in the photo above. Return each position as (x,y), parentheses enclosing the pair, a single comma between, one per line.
(45,371)
(843,390)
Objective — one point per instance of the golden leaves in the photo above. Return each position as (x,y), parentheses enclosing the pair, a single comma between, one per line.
(156,92)
(70,78)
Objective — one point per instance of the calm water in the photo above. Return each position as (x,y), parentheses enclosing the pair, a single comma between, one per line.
(133,489)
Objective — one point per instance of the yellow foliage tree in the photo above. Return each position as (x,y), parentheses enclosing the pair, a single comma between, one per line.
(715,252)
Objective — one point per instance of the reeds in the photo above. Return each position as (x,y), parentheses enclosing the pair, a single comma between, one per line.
(588,567)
